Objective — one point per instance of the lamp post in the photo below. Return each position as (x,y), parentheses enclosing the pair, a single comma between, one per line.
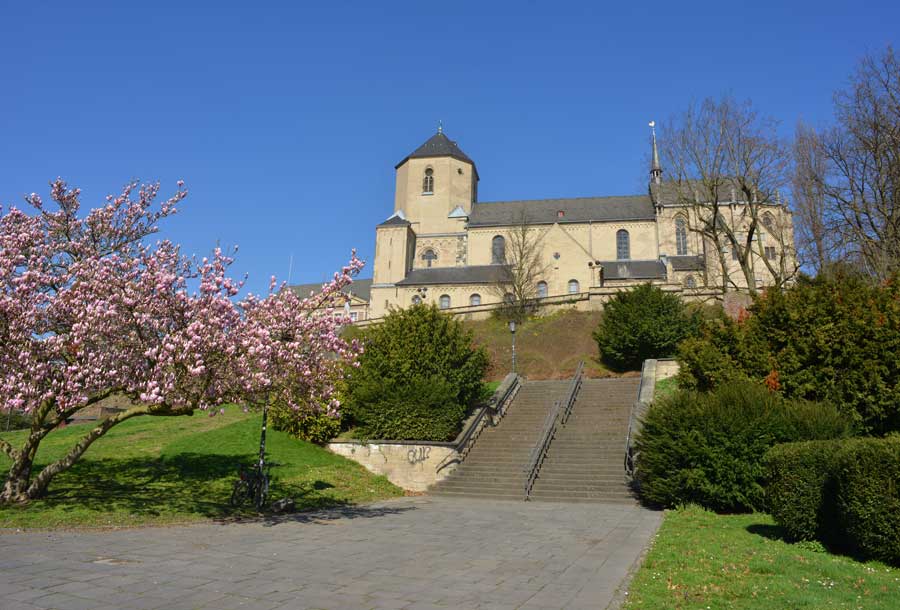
(512,330)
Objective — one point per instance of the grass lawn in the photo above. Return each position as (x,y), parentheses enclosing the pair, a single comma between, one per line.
(665,387)
(704,560)
(156,470)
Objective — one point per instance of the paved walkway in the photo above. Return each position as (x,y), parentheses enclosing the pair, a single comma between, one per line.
(409,553)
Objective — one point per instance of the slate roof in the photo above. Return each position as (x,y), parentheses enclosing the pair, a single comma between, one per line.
(633,270)
(359,288)
(686,263)
(394,221)
(679,193)
(546,211)
(438,145)
(474,274)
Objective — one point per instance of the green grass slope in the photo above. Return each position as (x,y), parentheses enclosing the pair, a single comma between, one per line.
(157,470)
(547,347)
(704,560)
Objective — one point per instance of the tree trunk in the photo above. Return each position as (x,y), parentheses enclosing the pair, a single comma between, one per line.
(21,488)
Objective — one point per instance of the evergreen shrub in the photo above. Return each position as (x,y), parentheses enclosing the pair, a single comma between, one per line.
(643,323)
(708,448)
(318,428)
(868,496)
(844,493)
(833,339)
(800,489)
(418,376)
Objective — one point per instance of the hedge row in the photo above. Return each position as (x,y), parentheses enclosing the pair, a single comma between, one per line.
(707,448)
(845,493)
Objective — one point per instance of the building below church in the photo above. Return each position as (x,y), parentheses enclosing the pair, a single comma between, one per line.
(441,245)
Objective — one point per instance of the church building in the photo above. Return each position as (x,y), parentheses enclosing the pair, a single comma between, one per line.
(442,245)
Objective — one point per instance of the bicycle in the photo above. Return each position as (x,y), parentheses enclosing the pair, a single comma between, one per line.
(252,484)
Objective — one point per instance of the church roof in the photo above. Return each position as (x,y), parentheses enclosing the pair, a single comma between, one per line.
(359,288)
(438,145)
(395,221)
(633,270)
(474,274)
(686,263)
(549,211)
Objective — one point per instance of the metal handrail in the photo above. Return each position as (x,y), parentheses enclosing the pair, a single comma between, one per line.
(630,454)
(559,411)
(494,411)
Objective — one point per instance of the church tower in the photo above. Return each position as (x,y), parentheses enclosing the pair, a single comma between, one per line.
(436,187)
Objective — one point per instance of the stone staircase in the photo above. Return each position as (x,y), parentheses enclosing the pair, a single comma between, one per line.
(585,461)
(493,467)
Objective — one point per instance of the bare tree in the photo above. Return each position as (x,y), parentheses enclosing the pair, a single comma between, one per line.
(861,180)
(728,165)
(524,265)
(817,232)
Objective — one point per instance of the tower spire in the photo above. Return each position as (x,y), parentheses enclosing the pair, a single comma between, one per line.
(440,126)
(655,167)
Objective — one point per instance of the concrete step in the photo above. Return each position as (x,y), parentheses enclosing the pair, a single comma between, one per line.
(587,495)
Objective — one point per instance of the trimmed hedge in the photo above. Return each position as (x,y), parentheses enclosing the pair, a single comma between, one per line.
(800,489)
(643,323)
(707,448)
(868,496)
(845,493)
(417,377)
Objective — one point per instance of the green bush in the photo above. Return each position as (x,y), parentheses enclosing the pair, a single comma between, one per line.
(845,493)
(419,409)
(316,428)
(868,496)
(643,323)
(708,448)
(833,339)
(418,376)
(800,489)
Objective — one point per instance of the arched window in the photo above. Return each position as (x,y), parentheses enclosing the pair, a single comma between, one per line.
(690,282)
(429,256)
(769,222)
(623,245)
(475,299)
(542,289)
(498,250)
(573,287)
(445,301)
(680,236)
(416,300)
(428,182)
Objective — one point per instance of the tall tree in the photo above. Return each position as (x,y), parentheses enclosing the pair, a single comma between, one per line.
(89,309)
(727,165)
(818,235)
(861,178)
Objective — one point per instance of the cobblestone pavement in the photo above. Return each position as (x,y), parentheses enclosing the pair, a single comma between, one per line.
(409,553)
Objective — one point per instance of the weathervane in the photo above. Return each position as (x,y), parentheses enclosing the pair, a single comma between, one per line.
(652,125)
(440,126)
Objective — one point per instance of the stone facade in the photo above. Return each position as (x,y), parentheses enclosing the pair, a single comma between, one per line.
(440,244)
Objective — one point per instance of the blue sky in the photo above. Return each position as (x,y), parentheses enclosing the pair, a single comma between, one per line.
(286,119)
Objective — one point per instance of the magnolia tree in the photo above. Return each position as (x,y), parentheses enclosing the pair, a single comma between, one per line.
(89,309)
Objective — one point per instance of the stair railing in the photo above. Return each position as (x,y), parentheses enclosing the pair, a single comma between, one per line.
(557,415)
(638,410)
(488,415)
